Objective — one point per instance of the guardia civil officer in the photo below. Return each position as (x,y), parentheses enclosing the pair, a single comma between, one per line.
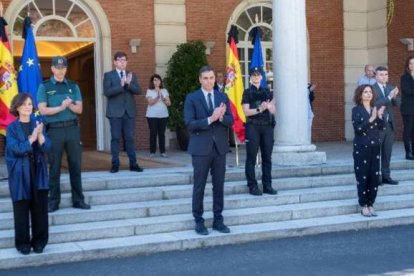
(60,102)
(259,108)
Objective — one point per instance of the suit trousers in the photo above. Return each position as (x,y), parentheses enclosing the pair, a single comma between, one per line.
(125,127)
(366,167)
(408,133)
(259,136)
(214,163)
(34,209)
(65,139)
(387,140)
(157,128)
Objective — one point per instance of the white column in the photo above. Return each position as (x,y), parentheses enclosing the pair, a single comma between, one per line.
(290,80)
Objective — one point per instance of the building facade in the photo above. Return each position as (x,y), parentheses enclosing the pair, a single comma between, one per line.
(342,36)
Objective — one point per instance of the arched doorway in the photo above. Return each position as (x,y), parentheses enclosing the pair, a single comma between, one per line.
(78,29)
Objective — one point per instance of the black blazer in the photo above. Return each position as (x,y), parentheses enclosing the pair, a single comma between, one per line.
(366,133)
(407,94)
(120,99)
(385,101)
(202,135)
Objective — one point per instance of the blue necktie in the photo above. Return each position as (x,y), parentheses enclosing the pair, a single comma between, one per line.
(210,105)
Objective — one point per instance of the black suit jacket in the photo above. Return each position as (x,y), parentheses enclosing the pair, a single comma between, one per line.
(407,94)
(366,133)
(120,99)
(385,101)
(203,136)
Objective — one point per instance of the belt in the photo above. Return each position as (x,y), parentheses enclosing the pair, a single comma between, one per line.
(63,124)
(258,122)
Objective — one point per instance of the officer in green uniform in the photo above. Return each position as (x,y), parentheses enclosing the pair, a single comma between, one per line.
(60,102)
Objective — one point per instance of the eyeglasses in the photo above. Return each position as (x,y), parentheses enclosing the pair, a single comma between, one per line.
(121,59)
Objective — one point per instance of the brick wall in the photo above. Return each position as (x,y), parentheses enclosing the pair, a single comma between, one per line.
(325,26)
(400,27)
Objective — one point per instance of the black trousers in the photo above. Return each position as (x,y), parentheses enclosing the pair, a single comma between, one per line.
(259,136)
(125,127)
(214,163)
(157,128)
(65,139)
(366,167)
(408,133)
(35,211)
(387,140)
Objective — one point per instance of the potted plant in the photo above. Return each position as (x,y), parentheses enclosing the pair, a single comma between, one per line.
(182,78)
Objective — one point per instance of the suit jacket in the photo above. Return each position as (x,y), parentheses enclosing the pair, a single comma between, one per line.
(407,94)
(366,133)
(385,101)
(18,164)
(203,136)
(120,99)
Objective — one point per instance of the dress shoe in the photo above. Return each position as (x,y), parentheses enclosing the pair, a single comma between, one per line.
(135,168)
(269,191)
(24,250)
(409,156)
(254,190)
(372,211)
(221,227)
(365,211)
(53,207)
(37,249)
(201,229)
(389,180)
(114,169)
(81,205)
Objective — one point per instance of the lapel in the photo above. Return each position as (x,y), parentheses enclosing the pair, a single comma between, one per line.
(379,91)
(202,100)
(217,99)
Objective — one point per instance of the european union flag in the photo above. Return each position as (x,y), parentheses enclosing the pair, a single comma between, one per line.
(257,57)
(30,75)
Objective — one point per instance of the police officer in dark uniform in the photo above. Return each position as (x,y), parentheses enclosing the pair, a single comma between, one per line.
(60,102)
(259,109)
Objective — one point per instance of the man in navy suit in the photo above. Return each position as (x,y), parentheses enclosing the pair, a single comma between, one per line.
(207,117)
(120,86)
(386,95)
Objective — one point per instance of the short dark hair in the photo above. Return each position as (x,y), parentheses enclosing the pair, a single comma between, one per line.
(120,54)
(407,63)
(151,83)
(381,68)
(358,94)
(18,101)
(205,68)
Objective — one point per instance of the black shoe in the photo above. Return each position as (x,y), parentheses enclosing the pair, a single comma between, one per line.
(255,191)
(201,229)
(389,180)
(269,191)
(136,168)
(37,249)
(221,227)
(25,250)
(409,156)
(53,207)
(81,205)
(114,169)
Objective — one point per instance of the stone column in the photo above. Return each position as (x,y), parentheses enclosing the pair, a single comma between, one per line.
(292,145)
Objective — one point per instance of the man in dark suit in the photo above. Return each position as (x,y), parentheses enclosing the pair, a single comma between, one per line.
(207,117)
(120,86)
(386,95)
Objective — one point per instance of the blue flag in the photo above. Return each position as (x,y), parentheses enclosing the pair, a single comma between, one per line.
(30,75)
(257,58)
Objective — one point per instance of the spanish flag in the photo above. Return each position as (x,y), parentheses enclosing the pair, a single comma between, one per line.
(8,84)
(234,85)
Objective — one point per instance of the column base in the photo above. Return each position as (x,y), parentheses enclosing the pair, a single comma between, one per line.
(298,155)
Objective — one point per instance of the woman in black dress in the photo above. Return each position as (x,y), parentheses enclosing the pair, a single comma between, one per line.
(367,122)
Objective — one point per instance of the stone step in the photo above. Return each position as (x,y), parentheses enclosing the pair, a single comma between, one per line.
(183,205)
(124,195)
(172,223)
(183,240)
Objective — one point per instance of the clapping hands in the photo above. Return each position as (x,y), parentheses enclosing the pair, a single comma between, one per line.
(218,113)
(37,134)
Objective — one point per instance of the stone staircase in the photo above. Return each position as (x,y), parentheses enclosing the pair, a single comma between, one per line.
(151,212)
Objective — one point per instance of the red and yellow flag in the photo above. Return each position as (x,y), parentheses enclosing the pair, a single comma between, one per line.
(234,85)
(8,84)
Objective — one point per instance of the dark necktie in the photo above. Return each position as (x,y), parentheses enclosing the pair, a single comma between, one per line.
(122,74)
(383,90)
(210,104)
